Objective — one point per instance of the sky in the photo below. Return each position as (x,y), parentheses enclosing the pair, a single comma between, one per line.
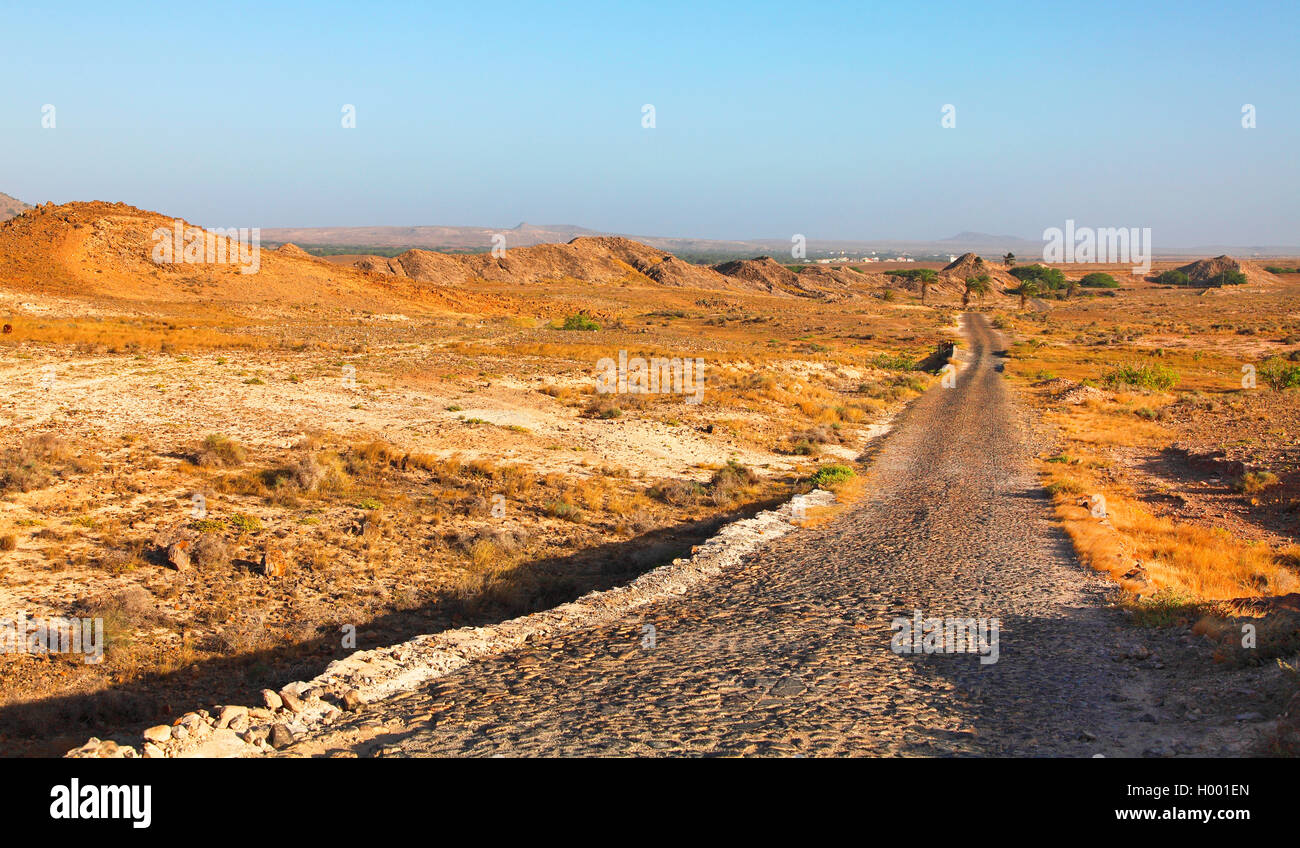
(770,119)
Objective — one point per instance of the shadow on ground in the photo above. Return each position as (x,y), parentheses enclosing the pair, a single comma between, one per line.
(52,726)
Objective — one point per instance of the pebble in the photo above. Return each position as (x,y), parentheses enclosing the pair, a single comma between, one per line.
(159,733)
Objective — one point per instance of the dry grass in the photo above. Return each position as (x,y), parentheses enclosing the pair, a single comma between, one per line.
(218,451)
(1158,367)
(109,336)
(1204,563)
(38,461)
(374,526)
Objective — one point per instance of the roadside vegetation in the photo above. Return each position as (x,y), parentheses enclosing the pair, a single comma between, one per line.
(1175,465)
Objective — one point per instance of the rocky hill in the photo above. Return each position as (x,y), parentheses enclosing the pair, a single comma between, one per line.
(602,260)
(10,206)
(968,265)
(107,251)
(1204,270)
(763,272)
(610,260)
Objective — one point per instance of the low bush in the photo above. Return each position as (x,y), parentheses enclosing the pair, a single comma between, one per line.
(829,476)
(893,362)
(1098,280)
(1278,373)
(1144,375)
(1255,482)
(210,551)
(579,321)
(219,451)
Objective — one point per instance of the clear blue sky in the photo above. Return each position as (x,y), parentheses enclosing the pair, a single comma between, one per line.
(772,118)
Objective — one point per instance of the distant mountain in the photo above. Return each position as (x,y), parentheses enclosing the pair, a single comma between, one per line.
(460,239)
(10,206)
(426,237)
(479,239)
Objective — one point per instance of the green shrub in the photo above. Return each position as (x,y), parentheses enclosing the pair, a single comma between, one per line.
(579,321)
(1180,278)
(893,362)
(1226,278)
(1047,278)
(831,475)
(1098,280)
(604,408)
(1279,373)
(1145,375)
(246,523)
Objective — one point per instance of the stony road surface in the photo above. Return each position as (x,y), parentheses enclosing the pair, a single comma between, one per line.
(790,653)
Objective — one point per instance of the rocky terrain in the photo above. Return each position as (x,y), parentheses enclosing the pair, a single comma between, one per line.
(105,250)
(309,710)
(10,206)
(372,450)
(610,260)
(419,448)
(772,642)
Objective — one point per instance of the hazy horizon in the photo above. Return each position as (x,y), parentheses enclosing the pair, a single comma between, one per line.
(769,121)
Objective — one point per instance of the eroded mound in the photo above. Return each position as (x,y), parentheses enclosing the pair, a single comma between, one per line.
(970,265)
(116,251)
(603,260)
(1204,271)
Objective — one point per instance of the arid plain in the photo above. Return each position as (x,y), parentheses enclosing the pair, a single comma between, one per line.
(237,472)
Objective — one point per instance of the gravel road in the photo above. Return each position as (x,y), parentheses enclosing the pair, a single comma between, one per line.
(790,654)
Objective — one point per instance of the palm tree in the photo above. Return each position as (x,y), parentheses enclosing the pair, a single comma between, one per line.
(1009,259)
(978,286)
(1028,289)
(925,276)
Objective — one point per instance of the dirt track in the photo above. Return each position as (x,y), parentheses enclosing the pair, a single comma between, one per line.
(790,654)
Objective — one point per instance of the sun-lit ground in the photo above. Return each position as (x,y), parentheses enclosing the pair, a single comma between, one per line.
(410,470)
(414,473)
(1170,406)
